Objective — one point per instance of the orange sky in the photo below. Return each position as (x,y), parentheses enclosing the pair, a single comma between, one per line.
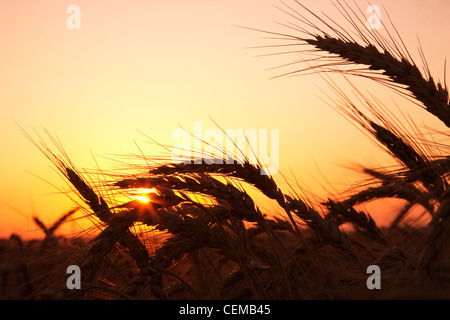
(152,66)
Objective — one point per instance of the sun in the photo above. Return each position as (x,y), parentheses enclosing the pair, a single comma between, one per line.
(142,194)
(142,199)
(146,190)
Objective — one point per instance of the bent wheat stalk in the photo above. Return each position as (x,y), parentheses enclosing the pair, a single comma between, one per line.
(387,59)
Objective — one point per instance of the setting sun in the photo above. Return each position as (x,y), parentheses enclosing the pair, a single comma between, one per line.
(142,199)
(146,190)
(144,194)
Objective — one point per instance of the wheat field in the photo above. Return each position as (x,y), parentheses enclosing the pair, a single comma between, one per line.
(203,235)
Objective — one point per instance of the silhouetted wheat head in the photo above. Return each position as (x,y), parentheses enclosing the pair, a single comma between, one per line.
(381,56)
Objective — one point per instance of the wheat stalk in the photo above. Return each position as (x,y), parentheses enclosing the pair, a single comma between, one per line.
(436,239)
(387,56)
(434,96)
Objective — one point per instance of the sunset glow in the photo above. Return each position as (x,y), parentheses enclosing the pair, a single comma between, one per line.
(146,190)
(151,67)
(228,150)
(142,199)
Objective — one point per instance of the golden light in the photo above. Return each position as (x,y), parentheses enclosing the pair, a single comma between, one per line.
(146,190)
(142,192)
(142,199)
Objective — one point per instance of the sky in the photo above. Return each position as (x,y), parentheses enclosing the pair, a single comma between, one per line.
(136,70)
